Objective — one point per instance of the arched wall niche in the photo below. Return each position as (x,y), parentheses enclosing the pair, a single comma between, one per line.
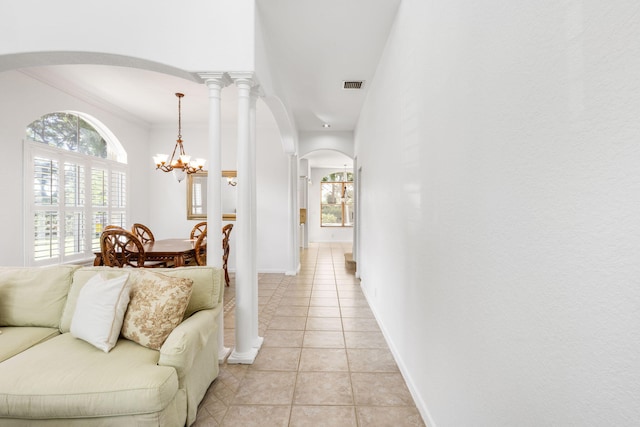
(339,141)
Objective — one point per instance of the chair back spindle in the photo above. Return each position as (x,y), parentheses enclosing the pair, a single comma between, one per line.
(143,233)
(226,233)
(198,229)
(121,248)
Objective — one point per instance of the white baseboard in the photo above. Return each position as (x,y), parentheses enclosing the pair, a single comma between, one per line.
(417,398)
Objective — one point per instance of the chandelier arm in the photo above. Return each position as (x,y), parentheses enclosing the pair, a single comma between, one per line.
(179,142)
(173,155)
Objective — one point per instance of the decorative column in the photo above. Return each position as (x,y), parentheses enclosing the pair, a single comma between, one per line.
(245,350)
(294,214)
(256,339)
(215,82)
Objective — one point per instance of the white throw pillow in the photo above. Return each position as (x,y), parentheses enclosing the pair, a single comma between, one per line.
(100,310)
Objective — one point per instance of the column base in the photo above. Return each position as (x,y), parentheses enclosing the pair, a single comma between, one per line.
(223,354)
(257,344)
(246,358)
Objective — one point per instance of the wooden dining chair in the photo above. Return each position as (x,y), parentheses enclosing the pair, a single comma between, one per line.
(112,227)
(121,248)
(201,249)
(198,229)
(226,232)
(143,233)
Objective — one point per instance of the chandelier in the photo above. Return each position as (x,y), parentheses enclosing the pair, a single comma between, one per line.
(182,165)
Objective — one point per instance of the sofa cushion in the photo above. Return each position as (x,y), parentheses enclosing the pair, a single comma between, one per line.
(100,310)
(34,296)
(207,286)
(157,305)
(65,377)
(15,339)
(206,293)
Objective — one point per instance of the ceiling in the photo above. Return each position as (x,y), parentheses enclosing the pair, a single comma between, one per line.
(316,45)
(312,47)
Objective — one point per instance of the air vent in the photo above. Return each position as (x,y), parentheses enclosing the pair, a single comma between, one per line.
(352,84)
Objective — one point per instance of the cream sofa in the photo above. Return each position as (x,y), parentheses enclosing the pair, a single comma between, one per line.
(48,377)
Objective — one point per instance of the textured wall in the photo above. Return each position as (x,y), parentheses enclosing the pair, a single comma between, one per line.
(503,259)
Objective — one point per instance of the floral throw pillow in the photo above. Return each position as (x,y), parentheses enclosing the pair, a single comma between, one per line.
(157,305)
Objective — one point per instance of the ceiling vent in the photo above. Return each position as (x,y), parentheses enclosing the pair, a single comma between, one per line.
(352,84)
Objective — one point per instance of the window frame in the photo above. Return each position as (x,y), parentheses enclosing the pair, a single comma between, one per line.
(33,150)
(342,204)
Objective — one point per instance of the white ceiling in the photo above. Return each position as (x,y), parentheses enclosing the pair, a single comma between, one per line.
(319,44)
(312,46)
(146,95)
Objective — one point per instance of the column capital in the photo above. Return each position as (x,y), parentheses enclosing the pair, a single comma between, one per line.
(246,77)
(256,92)
(218,78)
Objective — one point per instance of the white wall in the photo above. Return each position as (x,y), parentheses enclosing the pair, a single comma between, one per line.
(192,35)
(24,100)
(272,172)
(168,206)
(503,259)
(326,140)
(317,233)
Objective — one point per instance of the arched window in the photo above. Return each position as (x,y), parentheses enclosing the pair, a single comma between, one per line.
(78,175)
(336,200)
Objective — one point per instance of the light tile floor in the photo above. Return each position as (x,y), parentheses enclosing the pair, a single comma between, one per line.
(324,361)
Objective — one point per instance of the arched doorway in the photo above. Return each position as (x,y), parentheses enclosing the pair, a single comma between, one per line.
(332,167)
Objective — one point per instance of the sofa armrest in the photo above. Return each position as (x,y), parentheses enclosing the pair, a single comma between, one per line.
(187,340)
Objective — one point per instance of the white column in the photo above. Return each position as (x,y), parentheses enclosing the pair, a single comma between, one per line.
(245,350)
(215,82)
(294,214)
(256,339)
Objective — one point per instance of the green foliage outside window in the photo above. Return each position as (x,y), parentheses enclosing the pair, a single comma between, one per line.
(336,200)
(337,177)
(69,132)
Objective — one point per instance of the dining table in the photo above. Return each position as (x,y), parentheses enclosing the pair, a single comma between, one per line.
(176,252)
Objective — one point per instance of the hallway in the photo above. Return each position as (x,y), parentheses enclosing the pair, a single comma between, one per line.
(324,361)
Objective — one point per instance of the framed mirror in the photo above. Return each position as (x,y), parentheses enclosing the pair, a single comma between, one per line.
(197,195)
(229,195)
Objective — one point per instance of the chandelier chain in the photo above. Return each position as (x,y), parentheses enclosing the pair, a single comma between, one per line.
(179,95)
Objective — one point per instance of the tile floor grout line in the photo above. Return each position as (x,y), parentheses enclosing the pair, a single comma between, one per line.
(321,267)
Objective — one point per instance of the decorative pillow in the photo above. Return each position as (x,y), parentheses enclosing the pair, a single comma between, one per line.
(100,310)
(157,305)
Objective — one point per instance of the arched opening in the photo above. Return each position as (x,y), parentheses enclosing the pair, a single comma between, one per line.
(322,194)
(136,98)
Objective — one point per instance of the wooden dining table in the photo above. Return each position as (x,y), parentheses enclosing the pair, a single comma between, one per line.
(176,251)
